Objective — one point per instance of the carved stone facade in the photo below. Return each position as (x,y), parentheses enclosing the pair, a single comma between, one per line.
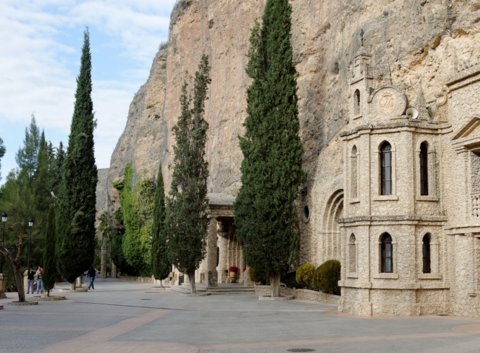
(405,221)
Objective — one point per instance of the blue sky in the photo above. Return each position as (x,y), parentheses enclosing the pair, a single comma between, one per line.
(40,60)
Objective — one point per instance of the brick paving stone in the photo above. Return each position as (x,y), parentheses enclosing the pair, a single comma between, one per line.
(124,316)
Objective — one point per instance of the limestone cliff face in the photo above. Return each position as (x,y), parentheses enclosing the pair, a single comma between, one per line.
(414,44)
(144,137)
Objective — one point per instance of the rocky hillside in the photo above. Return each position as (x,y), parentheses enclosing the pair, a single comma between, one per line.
(415,45)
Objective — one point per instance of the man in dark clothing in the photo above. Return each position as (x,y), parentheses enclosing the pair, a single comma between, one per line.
(91,273)
(30,280)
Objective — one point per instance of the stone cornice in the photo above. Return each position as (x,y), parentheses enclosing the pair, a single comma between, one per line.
(397,126)
(399,219)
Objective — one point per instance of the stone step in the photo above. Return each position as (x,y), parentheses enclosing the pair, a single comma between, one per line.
(223,288)
(230,289)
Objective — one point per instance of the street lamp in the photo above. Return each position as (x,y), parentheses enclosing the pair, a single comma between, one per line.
(30,225)
(4,221)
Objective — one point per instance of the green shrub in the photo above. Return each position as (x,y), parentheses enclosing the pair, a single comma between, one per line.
(326,277)
(304,275)
(316,282)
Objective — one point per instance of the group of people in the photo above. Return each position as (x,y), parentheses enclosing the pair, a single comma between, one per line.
(31,277)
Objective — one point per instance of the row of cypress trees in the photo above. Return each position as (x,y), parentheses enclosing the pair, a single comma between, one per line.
(265,214)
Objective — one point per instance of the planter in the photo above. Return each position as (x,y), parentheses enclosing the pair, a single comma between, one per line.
(232,277)
(3,285)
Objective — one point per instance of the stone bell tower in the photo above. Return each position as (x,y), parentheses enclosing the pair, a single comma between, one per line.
(392,219)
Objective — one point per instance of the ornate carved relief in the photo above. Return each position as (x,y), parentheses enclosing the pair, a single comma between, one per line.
(389,102)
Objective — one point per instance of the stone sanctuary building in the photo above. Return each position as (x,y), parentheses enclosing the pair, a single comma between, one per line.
(406,220)
(389,108)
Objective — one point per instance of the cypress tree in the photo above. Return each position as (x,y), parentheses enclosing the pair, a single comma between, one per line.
(76,204)
(187,202)
(265,215)
(39,207)
(160,260)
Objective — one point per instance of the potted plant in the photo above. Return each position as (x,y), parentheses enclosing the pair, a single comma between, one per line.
(232,271)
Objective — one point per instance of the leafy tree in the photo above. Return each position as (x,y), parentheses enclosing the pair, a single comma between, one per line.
(137,203)
(76,199)
(160,260)
(49,261)
(186,206)
(27,157)
(24,196)
(13,252)
(16,199)
(265,215)
(118,234)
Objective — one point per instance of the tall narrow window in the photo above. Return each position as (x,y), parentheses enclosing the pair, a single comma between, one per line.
(352,254)
(386,253)
(354,174)
(424,168)
(426,253)
(356,103)
(385,169)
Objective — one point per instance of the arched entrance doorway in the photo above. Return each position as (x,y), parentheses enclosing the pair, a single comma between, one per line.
(330,242)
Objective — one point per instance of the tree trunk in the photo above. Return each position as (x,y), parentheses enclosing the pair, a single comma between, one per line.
(275,285)
(17,273)
(191,278)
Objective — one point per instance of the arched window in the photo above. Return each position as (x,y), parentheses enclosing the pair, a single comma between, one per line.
(356,103)
(426,254)
(424,168)
(354,174)
(386,253)
(352,254)
(385,169)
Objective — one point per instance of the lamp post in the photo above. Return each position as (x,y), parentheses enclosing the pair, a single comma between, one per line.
(4,221)
(30,225)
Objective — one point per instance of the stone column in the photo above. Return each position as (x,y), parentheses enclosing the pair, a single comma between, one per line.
(212,275)
(222,264)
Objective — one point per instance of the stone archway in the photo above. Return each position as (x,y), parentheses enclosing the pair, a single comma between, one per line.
(330,242)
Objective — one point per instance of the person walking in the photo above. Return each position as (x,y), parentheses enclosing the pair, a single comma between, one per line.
(92,273)
(30,280)
(39,274)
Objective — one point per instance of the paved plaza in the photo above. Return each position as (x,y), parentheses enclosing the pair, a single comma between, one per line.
(121,316)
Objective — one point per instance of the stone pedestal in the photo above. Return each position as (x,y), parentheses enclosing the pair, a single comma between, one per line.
(3,285)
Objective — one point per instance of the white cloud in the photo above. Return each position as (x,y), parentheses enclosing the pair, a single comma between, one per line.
(137,24)
(40,58)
